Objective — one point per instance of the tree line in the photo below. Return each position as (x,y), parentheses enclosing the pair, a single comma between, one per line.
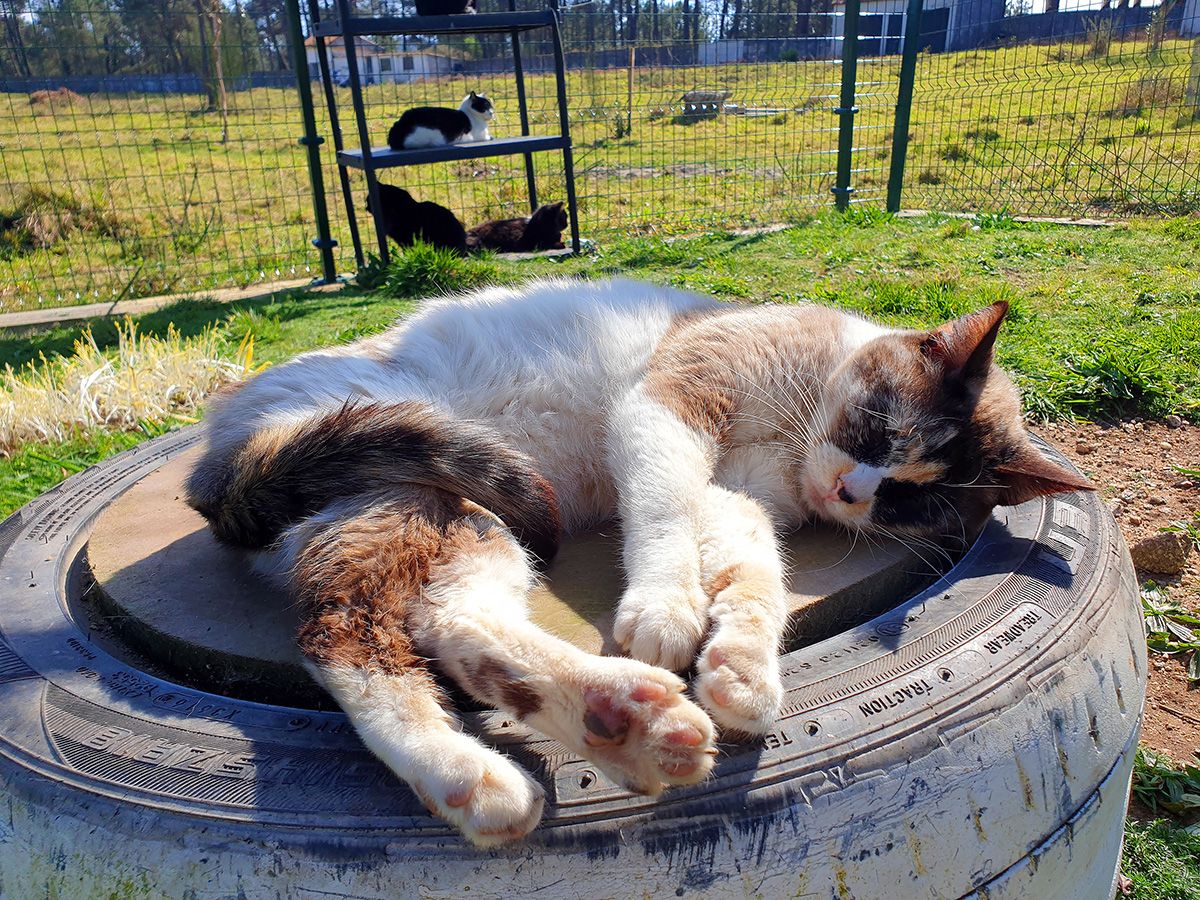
(222,39)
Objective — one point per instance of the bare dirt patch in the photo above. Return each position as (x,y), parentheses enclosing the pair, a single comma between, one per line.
(1133,465)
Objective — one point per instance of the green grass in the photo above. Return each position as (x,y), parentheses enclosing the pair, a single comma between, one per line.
(124,196)
(1162,860)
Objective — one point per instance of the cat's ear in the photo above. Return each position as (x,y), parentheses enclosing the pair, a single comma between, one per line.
(1028,474)
(473,95)
(964,347)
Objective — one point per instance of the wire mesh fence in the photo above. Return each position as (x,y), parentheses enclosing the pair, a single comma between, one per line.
(1081,112)
(148,148)
(127,170)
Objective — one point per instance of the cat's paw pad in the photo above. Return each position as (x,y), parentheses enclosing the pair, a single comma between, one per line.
(641,730)
(739,684)
(662,628)
(490,800)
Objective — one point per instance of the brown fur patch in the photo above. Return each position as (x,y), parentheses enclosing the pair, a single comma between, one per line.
(710,364)
(722,580)
(495,683)
(918,472)
(358,576)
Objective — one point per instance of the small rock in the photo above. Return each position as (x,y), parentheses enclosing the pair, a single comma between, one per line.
(1134,520)
(1166,553)
(1173,421)
(1084,448)
(1157,501)
(1128,494)
(1158,666)
(1117,507)
(1183,484)
(1166,445)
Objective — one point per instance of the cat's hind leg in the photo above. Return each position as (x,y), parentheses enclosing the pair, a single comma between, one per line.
(631,719)
(358,568)
(738,679)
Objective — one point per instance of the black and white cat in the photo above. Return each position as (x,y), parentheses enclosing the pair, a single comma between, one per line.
(446,7)
(407,220)
(437,126)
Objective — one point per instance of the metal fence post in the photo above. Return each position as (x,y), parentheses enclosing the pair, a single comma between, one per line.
(312,143)
(842,189)
(908,77)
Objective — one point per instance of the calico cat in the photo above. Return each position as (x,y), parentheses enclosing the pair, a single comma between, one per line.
(406,487)
(446,7)
(540,231)
(437,126)
(406,220)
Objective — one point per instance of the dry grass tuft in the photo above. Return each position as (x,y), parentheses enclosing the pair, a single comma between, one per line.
(43,218)
(150,380)
(62,96)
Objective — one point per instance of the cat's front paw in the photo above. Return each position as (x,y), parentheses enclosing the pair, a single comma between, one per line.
(489,799)
(662,627)
(738,682)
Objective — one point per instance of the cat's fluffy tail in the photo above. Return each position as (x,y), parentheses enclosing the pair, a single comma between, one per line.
(286,473)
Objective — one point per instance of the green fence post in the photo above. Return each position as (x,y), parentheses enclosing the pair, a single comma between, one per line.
(842,189)
(908,77)
(312,143)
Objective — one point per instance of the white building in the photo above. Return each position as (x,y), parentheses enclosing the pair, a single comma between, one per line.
(377,63)
(945,24)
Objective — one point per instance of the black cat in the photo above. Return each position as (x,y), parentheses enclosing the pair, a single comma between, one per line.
(446,7)
(541,231)
(437,126)
(405,220)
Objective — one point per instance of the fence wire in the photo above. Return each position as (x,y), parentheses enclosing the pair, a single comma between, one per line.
(125,173)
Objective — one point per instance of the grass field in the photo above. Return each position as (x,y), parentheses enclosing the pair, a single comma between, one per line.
(1104,323)
(109,196)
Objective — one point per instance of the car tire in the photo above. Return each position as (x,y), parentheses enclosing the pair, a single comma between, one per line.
(977,739)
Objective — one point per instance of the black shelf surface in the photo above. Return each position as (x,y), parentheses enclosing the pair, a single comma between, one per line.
(483,23)
(386,158)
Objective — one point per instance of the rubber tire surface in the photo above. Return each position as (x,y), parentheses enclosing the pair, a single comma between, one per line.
(939,749)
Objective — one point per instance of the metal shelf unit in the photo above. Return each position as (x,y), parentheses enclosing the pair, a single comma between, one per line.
(371,159)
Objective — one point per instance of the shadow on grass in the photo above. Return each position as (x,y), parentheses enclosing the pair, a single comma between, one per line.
(190,317)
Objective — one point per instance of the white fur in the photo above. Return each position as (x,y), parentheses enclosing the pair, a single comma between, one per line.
(400,720)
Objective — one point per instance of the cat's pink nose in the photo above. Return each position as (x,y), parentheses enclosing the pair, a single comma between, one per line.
(839,492)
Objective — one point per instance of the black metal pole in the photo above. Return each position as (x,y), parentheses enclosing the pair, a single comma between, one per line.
(311,141)
(364,133)
(908,77)
(560,71)
(530,179)
(314,14)
(842,189)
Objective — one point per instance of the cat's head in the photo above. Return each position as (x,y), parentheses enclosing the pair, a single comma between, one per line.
(550,215)
(921,433)
(477,104)
(391,197)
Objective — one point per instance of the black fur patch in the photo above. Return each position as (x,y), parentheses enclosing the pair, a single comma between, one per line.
(267,485)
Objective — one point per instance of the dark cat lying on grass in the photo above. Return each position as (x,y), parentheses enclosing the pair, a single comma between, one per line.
(405,220)
(540,231)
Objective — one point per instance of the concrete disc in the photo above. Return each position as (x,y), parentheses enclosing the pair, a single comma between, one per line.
(193,606)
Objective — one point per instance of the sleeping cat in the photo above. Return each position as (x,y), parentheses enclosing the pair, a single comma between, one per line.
(445,7)
(406,220)
(407,486)
(437,126)
(540,231)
